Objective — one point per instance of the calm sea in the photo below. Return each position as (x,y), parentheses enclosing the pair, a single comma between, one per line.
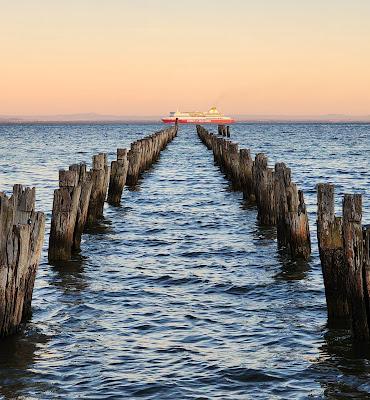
(179,293)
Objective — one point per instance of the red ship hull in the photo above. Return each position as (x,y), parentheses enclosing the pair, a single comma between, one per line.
(199,121)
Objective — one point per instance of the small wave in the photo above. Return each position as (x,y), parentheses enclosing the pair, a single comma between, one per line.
(170,280)
(237,374)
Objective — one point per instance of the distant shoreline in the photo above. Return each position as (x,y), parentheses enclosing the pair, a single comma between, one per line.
(96,118)
(159,122)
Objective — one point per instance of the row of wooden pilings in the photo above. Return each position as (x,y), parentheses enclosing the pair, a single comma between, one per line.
(344,243)
(278,200)
(78,202)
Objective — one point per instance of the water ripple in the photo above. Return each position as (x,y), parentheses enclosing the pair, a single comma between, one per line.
(179,293)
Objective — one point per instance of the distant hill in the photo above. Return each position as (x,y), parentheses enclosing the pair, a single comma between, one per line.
(86,118)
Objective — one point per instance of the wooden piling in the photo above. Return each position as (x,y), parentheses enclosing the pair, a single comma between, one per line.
(21,239)
(293,232)
(232,164)
(354,263)
(98,181)
(366,266)
(263,178)
(299,229)
(331,248)
(345,254)
(84,180)
(133,165)
(118,177)
(64,216)
(246,174)
(282,180)
(105,184)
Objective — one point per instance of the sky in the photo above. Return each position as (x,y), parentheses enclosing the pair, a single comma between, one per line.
(149,57)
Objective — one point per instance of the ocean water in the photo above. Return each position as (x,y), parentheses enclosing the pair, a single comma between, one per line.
(179,293)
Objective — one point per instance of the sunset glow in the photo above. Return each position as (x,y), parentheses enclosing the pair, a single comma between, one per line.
(149,57)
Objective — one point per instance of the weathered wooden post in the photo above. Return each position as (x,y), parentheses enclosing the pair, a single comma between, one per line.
(246,174)
(118,177)
(221,151)
(21,239)
(299,230)
(104,191)
(221,130)
(64,216)
(293,232)
(232,164)
(228,131)
(263,179)
(235,168)
(133,165)
(84,180)
(331,248)
(354,262)
(282,180)
(366,260)
(98,180)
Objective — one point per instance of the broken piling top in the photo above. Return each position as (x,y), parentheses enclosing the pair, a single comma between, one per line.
(261,161)
(81,170)
(121,154)
(98,161)
(329,226)
(23,198)
(68,178)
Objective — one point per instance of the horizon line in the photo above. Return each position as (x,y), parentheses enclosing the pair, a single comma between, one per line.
(92,117)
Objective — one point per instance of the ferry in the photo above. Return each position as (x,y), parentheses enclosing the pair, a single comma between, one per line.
(212,116)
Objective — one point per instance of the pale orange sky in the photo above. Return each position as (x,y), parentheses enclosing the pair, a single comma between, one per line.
(147,57)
